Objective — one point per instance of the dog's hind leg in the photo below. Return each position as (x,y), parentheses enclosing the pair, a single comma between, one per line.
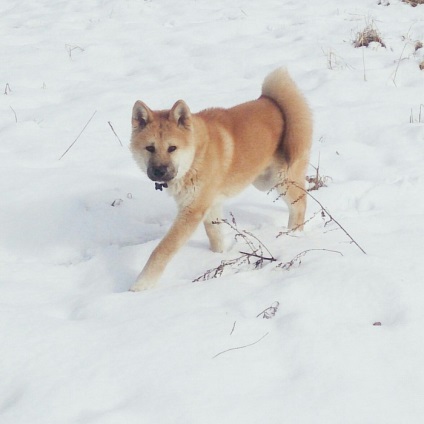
(214,231)
(292,188)
(289,182)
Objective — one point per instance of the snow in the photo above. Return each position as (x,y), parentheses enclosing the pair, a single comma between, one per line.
(77,347)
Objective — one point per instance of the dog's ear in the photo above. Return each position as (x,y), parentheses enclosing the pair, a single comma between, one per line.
(141,115)
(181,114)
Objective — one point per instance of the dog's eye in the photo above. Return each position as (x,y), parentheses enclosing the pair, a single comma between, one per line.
(150,149)
(171,149)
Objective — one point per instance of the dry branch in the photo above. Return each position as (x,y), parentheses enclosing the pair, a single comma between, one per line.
(16,116)
(116,135)
(258,254)
(270,312)
(324,212)
(317,181)
(85,126)
(70,48)
(420,119)
(337,222)
(397,67)
(240,347)
(298,258)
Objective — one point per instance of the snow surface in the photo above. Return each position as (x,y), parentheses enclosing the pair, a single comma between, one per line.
(77,347)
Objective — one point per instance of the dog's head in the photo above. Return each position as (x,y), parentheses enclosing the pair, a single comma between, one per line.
(162,142)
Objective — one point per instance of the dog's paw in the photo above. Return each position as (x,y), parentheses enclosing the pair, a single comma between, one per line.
(135,289)
(141,286)
(217,247)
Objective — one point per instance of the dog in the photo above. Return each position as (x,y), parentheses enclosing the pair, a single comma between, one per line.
(205,157)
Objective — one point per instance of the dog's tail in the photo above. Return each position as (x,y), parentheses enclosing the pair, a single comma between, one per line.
(297,136)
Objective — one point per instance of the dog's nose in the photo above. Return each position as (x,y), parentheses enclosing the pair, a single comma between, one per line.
(159,171)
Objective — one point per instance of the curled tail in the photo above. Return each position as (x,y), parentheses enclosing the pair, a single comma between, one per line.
(297,137)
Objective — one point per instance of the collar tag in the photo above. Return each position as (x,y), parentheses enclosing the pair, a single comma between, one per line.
(160,186)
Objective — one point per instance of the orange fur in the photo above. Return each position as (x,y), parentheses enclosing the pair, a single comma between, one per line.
(214,154)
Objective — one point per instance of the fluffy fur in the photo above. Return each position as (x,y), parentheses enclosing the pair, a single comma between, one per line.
(214,154)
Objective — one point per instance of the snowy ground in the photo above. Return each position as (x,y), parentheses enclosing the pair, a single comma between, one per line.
(77,347)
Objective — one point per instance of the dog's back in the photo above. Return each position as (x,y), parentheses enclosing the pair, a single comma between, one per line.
(264,141)
(248,135)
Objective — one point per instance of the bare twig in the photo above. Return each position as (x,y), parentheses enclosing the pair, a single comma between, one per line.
(299,256)
(218,271)
(291,231)
(116,135)
(70,49)
(270,312)
(337,223)
(397,67)
(324,212)
(317,180)
(363,63)
(240,347)
(85,126)
(420,116)
(264,258)
(16,117)
(256,257)
(261,245)
(334,61)
(234,326)
(238,233)
(247,238)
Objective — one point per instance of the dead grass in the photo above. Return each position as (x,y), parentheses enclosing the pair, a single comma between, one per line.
(414,3)
(414,119)
(367,36)
(255,256)
(419,45)
(317,180)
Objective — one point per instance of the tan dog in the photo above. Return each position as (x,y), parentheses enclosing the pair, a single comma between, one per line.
(205,157)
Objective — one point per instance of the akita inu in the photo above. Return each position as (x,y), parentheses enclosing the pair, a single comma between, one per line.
(206,157)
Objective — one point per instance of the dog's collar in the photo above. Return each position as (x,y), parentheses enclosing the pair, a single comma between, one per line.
(160,186)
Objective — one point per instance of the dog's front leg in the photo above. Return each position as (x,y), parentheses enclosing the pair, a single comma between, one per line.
(213,228)
(185,224)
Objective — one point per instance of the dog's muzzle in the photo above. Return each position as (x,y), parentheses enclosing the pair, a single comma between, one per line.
(161,173)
